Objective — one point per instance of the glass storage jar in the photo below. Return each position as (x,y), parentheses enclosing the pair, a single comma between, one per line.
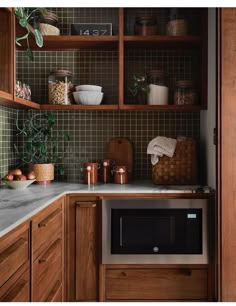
(185,93)
(145,25)
(158,87)
(60,87)
(177,25)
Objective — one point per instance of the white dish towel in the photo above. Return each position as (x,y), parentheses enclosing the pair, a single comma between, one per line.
(160,146)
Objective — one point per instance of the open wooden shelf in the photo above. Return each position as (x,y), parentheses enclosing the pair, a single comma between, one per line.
(7,100)
(25,103)
(163,107)
(162,40)
(75,43)
(78,107)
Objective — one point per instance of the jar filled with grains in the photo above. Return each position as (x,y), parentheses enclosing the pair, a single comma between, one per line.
(185,93)
(60,87)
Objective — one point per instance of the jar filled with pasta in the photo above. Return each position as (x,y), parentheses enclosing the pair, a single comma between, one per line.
(185,93)
(60,87)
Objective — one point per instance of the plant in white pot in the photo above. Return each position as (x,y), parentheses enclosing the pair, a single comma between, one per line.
(40,145)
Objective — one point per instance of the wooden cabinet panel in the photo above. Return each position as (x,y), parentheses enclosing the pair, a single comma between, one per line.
(19,291)
(86,251)
(46,269)
(55,294)
(46,223)
(156,284)
(13,254)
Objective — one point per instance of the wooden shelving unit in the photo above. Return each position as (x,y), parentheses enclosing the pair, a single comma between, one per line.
(119,43)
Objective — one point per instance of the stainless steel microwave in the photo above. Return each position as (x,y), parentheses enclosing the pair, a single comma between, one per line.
(154,231)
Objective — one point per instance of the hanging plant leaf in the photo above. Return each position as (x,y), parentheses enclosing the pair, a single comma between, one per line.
(23,22)
(38,38)
(51,118)
(21,38)
(30,54)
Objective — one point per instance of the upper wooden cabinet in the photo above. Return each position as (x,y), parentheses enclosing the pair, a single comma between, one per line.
(112,61)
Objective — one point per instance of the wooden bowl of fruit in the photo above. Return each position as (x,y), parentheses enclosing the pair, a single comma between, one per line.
(15,179)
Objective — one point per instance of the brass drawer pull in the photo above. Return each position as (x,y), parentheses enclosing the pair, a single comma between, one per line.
(86,204)
(11,249)
(46,256)
(49,218)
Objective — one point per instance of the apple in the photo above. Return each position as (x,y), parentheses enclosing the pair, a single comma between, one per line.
(21,177)
(16,172)
(8,177)
(31,175)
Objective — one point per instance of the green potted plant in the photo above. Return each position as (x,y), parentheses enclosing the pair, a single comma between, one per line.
(28,20)
(140,88)
(40,145)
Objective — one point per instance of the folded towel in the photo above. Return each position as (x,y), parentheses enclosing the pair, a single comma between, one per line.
(160,146)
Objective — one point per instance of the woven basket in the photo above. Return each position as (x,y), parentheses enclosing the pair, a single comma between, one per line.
(181,169)
(44,173)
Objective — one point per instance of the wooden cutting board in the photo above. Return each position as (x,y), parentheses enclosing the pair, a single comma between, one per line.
(121,151)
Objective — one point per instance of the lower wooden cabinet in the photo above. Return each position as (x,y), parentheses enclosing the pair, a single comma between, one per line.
(82,248)
(48,254)
(156,284)
(19,291)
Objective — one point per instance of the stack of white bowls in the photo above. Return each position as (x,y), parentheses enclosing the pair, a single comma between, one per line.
(88,94)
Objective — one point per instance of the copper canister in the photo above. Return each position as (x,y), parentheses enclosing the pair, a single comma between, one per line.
(120,175)
(106,171)
(91,173)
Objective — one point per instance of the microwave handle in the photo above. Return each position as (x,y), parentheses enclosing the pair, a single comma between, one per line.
(121,231)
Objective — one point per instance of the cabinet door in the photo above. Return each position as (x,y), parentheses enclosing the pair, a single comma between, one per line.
(86,251)
(7,49)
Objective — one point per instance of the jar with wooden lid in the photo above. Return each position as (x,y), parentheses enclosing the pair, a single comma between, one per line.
(60,87)
(145,26)
(185,93)
(158,87)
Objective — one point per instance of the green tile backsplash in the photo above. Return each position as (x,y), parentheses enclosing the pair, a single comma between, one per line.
(7,138)
(90,132)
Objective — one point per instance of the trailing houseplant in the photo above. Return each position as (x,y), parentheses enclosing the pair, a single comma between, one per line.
(40,144)
(140,88)
(27,18)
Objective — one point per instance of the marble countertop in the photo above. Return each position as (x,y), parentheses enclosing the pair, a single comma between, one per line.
(16,206)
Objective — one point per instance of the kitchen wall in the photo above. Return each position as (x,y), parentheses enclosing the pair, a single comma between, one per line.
(7,139)
(90,132)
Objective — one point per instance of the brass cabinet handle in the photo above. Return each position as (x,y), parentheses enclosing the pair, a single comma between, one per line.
(11,249)
(86,204)
(46,256)
(12,295)
(49,218)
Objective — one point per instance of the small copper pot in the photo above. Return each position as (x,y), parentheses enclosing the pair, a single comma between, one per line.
(120,175)
(91,173)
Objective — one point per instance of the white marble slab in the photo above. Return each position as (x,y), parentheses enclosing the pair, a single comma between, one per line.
(16,206)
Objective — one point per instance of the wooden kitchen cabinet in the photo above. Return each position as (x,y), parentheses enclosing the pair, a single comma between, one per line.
(14,265)
(48,254)
(82,248)
(163,284)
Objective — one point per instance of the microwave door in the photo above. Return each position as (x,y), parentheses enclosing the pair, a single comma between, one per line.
(147,231)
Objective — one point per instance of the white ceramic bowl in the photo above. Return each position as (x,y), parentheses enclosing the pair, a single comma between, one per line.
(88,97)
(88,88)
(18,184)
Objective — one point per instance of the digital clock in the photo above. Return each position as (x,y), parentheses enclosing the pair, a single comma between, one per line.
(91,29)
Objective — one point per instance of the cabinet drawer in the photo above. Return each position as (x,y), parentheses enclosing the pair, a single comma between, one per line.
(156,284)
(56,293)
(46,224)
(19,291)
(13,256)
(47,268)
